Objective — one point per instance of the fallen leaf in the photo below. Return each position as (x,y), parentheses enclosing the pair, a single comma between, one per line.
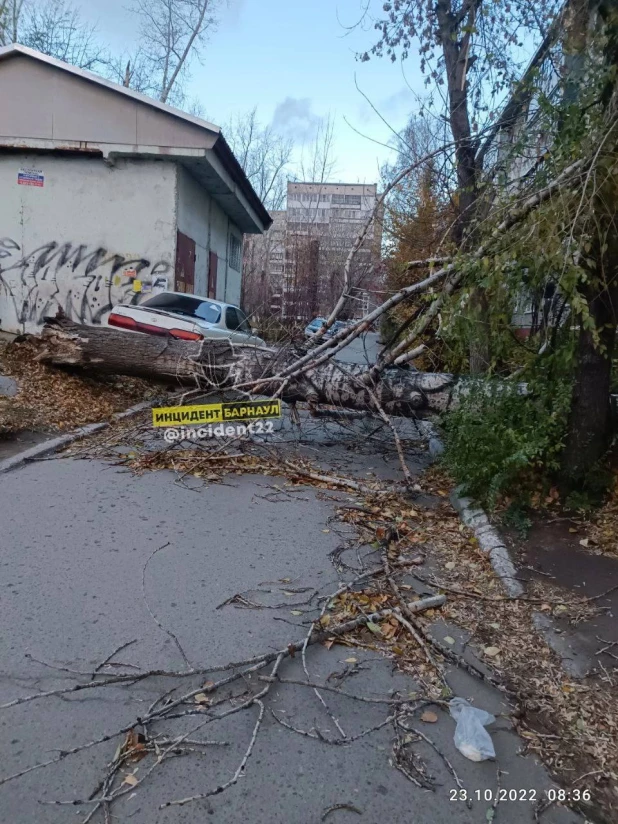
(492,651)
(429,717)
(350,660)
(585,542)
(131,780)
(328,643)
(325,620)
(374,628)
(295,612)
(450,565)
(449,640)
(201,698)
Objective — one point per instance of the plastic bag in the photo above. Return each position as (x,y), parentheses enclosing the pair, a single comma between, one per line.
(471,737)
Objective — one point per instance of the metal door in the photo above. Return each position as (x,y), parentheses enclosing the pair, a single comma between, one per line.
(185,264)
(212,275)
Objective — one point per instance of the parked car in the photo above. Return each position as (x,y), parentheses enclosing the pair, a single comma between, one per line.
(186,317)
(316,325)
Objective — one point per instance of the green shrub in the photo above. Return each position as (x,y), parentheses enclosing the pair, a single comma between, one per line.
(500,441)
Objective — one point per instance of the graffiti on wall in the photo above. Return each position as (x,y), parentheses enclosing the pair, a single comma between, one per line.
(84,282)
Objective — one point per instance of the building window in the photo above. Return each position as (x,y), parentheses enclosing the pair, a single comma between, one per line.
(353,200)
(235,253)
(338,199)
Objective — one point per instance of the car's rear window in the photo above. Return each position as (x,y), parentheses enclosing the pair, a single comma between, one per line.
(186,305)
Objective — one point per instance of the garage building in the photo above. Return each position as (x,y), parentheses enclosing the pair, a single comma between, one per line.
(108,196)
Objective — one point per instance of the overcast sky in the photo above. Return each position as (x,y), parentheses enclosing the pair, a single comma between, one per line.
(295,60)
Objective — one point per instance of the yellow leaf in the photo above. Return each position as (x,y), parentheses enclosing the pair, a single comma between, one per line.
(429,717)
(350,660)
(201,698)
(131,780)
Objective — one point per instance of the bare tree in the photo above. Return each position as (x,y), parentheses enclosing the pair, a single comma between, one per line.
(264,156)
(10,15)
(171,34)
(317,162)
(56,28)
(131,70)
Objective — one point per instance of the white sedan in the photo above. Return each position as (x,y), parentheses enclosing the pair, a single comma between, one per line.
(186,317)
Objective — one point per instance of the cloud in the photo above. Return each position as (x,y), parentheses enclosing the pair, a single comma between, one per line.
(293,118)
(401,102)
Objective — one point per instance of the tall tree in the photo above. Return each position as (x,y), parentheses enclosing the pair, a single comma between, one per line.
(172,33)
(471,48)
(10,15)
(596,231)
(55,28)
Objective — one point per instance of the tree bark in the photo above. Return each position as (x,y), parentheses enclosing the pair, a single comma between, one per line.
(219,364)
(590,417)
(589,429)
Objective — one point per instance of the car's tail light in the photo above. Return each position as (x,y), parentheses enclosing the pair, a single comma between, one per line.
(125,322)
(181,334)
(121,321)
(150,329)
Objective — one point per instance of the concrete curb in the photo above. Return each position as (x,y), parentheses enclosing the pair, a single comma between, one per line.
(489,539)
(54,444)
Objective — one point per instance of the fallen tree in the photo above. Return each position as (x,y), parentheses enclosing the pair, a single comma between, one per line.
(214,365)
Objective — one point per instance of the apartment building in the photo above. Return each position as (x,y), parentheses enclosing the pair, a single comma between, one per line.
(297,267)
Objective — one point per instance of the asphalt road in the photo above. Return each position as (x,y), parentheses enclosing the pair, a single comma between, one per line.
(363,349)
(76,537)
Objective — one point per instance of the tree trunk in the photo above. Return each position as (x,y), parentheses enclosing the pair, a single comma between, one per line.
(590,417)
(456,41)
(218,364)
